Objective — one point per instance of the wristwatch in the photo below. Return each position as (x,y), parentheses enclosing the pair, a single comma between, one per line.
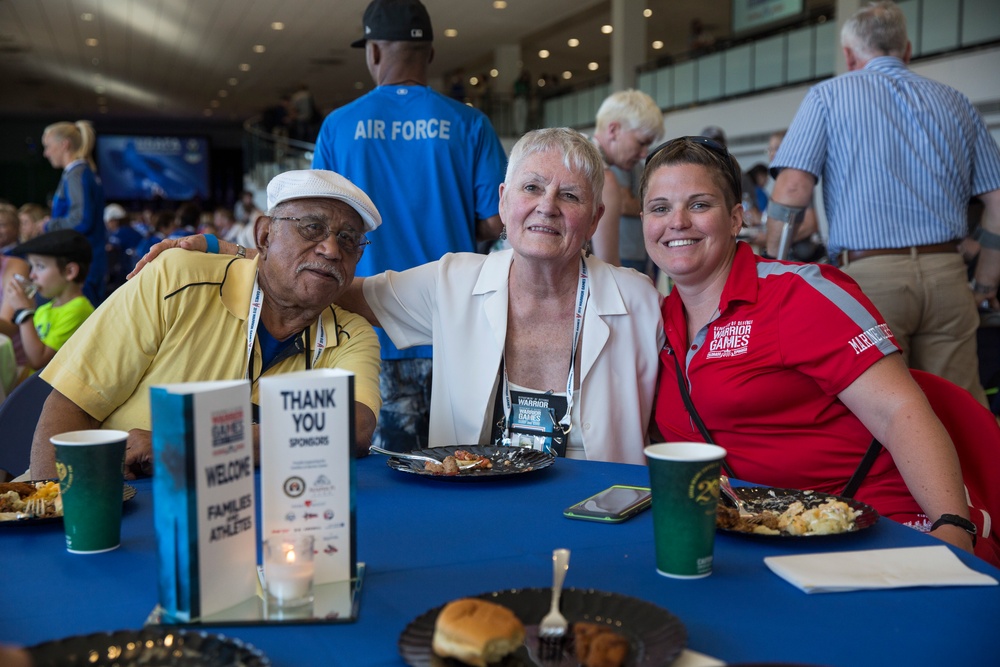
(241,252)
(955,520)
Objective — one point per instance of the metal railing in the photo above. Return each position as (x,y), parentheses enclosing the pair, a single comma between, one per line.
(266,154)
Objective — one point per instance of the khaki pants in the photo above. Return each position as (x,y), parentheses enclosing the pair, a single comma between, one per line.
(930,309)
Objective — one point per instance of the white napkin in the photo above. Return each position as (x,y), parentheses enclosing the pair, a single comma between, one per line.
(876,568)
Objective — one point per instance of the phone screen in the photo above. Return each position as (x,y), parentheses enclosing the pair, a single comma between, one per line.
(615,503)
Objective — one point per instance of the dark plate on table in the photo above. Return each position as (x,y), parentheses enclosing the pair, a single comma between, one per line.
(128,493)
(507,461)
(656,637)
(768,498)
(150,646)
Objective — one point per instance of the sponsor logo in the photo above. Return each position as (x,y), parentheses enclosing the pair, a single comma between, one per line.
(730,340)
(294,487)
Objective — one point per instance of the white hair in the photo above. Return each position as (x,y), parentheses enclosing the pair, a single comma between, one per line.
(876,30)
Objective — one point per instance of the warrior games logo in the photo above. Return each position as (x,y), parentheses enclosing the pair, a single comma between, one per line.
(227,431)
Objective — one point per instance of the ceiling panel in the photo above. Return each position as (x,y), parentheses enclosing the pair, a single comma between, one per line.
(176,58)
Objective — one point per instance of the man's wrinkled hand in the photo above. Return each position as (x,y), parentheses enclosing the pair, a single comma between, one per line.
(138,454)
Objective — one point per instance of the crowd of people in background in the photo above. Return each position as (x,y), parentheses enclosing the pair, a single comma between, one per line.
(61,259)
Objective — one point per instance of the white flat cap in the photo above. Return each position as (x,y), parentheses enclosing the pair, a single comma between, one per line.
(318,183)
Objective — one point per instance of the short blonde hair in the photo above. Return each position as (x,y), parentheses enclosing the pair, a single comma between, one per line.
(634,109)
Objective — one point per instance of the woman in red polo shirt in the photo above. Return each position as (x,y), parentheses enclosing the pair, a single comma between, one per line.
(790,367)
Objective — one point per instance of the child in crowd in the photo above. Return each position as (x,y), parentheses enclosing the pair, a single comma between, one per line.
(59,263)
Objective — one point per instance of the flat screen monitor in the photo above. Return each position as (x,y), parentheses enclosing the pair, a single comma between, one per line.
(752,14)
(141,168)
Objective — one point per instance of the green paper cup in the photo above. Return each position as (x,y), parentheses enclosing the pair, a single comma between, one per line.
(684,477)
(90,466)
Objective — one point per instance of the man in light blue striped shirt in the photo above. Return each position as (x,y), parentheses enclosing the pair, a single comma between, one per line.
(900,157)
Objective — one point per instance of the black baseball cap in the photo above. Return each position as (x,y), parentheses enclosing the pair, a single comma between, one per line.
(396,21)
(67,244)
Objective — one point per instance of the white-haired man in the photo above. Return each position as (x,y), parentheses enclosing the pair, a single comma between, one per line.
(900,157)
(628,122)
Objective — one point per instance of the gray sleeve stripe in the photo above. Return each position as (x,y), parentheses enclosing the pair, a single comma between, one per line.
(812,276)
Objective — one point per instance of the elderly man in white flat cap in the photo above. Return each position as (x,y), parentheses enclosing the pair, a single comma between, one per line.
(198,317)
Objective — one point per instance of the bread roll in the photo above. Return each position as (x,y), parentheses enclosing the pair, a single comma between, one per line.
(476,632)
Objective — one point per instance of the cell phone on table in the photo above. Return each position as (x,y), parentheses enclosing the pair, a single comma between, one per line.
(612,505)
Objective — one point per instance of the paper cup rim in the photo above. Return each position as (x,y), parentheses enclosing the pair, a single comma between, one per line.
(96,436)
(685,452)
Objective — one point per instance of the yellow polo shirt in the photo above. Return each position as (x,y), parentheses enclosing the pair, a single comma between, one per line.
(184,319)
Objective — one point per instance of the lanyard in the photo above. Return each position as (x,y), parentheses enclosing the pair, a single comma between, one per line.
(253,319)
(566,423)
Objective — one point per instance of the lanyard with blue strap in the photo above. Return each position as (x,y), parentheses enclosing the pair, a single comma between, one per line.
(253,320)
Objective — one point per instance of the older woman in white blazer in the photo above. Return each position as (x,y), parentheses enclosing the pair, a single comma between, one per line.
(542,344)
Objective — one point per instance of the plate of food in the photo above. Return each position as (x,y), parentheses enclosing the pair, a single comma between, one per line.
(791,513)
(37,501)
(150,646)
(471,462)
(634,632)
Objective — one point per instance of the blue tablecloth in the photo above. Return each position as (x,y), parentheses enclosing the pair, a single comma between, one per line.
(429,541)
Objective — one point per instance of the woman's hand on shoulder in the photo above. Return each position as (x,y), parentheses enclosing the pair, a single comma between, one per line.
(153,253)
(196,242)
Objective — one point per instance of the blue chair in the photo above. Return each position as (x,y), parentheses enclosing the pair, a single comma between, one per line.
(18,417)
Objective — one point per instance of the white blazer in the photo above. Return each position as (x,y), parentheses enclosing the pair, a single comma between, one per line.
(458,304)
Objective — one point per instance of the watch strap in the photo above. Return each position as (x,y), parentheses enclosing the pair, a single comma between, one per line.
(955,520)
(22,314)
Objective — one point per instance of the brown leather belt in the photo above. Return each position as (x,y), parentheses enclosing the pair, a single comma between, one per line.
(947,246)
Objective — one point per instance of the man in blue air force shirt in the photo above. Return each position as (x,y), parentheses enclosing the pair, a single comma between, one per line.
(433,167)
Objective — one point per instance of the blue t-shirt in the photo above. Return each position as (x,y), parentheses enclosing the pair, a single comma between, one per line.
(430,164)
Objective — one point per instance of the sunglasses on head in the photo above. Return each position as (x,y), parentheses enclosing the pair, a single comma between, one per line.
(736,180)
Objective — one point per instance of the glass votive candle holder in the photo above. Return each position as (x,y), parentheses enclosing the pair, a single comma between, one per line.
(289,570)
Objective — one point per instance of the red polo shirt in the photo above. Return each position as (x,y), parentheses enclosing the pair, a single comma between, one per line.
(765,373)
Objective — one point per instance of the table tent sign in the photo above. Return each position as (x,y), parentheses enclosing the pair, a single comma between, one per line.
(307,468)
(203,497)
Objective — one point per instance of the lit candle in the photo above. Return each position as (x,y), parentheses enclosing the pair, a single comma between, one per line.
(289,569)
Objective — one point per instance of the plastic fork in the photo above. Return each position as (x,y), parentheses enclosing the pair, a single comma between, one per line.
(741,505)
(34,507)
(552,630)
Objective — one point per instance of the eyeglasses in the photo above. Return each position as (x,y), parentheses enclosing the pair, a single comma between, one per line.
(316,230)
(735,179)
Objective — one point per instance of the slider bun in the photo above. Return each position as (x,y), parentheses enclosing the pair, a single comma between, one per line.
(476,632)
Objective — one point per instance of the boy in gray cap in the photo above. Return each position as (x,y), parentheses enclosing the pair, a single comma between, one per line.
(59,263)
